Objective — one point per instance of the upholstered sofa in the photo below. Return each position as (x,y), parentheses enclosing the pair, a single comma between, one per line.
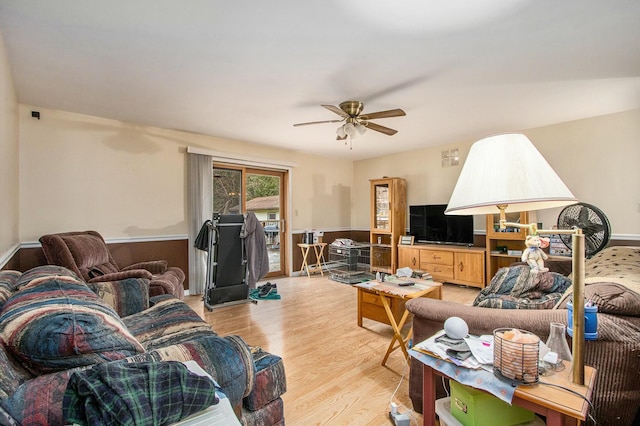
(87,255)
(613,284)
(54,326)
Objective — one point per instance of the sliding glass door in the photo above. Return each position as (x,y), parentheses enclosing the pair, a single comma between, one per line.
(227,190)
(238,189)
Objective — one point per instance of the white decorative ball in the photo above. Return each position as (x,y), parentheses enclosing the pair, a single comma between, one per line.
(456,328)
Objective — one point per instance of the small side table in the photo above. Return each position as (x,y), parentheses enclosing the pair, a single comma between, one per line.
(559,406)
(318,249)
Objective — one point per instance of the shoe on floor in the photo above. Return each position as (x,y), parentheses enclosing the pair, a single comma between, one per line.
(268,284)
(266,290)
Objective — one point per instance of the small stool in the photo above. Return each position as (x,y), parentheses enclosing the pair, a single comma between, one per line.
(318,249)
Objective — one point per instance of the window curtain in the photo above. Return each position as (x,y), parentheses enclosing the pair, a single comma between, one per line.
(200,193)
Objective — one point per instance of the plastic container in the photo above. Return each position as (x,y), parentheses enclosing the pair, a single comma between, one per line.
(443,410)
(590,321)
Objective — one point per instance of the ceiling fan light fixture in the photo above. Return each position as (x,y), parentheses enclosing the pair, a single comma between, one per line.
(350,130)
(354,124)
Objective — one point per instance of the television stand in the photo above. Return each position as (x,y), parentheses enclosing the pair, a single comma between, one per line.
(446,262)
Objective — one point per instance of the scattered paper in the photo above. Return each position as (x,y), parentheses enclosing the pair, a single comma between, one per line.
(367,284)
(481,348)
(404,272)
(431,346)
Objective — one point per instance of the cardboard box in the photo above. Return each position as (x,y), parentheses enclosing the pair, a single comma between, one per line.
(473,407)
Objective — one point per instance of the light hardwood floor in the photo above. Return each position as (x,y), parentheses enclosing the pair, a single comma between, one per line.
(334,375)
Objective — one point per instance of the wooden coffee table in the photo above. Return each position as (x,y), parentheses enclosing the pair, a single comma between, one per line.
(384,302)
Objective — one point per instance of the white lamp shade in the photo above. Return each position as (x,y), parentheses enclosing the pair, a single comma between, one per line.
(340,132)
(507,170)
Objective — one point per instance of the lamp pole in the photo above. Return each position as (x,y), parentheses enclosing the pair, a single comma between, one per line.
(577,345)
(577,270)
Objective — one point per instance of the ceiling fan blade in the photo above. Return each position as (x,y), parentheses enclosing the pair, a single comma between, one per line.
(338,138)
(383,114)
(379,128)
(337,110)
(317,122)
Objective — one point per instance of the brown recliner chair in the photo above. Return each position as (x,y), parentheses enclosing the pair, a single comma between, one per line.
(86,254)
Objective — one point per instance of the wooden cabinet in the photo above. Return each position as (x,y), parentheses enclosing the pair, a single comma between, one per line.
(500,242)
(409,256)
(438,263)
(388,219)
(446,263)
(468,267)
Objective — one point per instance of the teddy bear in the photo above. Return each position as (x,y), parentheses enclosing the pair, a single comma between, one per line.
(533,254)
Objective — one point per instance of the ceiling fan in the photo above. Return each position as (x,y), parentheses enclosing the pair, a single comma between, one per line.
(355,121)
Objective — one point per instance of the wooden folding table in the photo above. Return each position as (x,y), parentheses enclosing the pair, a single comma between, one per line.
(318,249)
(392,297)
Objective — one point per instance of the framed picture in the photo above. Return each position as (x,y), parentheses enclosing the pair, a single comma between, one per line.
(406,240)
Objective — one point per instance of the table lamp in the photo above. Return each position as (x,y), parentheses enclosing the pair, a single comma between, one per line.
(506,173)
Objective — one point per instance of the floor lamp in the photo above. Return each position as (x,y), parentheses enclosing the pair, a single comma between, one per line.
(506,173)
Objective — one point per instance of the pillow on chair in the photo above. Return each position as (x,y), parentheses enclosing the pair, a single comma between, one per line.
(44,271)
(517,287)
(8,284)
(56,323)
(126,297)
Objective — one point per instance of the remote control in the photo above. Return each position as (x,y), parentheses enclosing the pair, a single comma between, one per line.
(407,284)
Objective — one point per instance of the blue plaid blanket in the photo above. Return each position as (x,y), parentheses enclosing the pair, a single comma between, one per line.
(145,393)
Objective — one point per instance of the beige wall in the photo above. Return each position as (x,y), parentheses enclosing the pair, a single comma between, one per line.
(597,158)
(81,172)
(9,188)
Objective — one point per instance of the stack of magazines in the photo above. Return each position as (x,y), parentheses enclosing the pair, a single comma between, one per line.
(471,352)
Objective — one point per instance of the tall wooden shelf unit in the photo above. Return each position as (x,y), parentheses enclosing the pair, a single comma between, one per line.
(388,220)
(511,238)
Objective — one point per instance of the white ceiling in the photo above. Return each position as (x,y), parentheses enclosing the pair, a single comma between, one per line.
(249,70)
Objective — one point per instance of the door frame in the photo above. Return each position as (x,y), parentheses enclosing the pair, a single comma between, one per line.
(285,177)
(259,162)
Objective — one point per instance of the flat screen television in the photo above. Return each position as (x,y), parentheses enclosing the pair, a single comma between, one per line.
(429,224)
